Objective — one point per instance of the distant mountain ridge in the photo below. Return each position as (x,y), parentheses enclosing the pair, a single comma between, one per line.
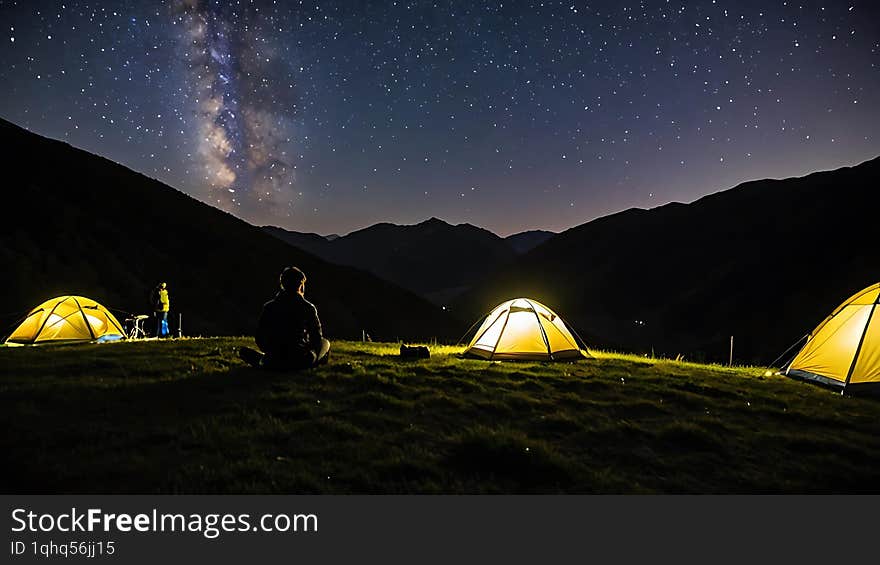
(764,262)
(524,242)
(81,224)
(433,258)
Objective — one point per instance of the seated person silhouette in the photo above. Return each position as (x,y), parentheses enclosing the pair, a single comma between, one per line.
(289,331)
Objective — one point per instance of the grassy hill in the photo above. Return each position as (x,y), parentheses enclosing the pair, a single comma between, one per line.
(186,416)
(765,262)
(76,223)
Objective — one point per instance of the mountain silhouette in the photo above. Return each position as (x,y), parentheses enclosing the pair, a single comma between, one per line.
(433,258)
(764,262)
(76,223)
(311,242)
(526,241)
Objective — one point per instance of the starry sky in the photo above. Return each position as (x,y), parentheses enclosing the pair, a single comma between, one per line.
(329,116)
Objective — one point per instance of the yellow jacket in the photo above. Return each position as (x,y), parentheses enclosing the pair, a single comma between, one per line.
(163,300)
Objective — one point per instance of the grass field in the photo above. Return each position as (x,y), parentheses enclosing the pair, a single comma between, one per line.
(187,416)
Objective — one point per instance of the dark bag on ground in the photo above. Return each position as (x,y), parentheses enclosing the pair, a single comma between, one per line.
(414,352)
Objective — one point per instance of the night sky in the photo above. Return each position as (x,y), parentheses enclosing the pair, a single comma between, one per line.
(330,116)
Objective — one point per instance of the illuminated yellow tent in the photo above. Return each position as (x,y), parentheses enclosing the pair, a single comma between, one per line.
(844,350)
(67,319)
(524,329)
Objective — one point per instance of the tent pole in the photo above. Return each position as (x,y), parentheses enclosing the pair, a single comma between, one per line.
(477,338)
(543,333)
(730,359)
(481,318)
(855,360)
(85,319)
(14,326)
(52,311)
(500,335)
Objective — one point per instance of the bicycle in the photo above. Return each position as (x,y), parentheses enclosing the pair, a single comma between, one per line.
(136,326)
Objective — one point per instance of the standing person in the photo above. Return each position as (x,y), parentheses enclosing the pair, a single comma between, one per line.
(288,331)
(161,305)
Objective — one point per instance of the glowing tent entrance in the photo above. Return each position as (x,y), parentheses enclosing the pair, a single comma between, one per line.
(844,350)
(524,329)
(67,319)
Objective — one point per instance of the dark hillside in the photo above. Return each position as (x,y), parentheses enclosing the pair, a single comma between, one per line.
(526,241)
(76,223)
(765,261)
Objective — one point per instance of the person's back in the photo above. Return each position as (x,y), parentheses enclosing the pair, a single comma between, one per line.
(289,330)
(288,327)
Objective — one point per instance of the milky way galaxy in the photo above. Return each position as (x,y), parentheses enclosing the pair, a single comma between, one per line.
(242,120)
(330,115)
